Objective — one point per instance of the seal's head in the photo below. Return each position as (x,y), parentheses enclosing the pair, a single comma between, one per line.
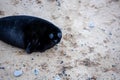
(45,36)
(52,37)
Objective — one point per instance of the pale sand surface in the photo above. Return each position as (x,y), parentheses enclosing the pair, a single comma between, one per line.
(89,49)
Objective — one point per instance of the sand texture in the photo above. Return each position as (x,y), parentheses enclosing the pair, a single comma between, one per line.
(89,49)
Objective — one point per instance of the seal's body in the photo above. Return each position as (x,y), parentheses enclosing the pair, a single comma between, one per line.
(29,33)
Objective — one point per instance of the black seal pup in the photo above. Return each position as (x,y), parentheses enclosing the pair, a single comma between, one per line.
(30,33)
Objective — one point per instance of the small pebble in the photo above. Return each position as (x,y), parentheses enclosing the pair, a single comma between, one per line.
(91,24)
(113,65)
(57,78)
(18,73)
(36,71)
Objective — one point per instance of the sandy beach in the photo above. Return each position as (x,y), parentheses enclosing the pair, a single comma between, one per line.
(89,49)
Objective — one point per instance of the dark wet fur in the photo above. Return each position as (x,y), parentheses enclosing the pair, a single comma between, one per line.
(29,33)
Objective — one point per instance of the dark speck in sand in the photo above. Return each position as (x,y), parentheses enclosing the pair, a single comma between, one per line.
(110,33)
(32,59)
(2,67)
(61,62)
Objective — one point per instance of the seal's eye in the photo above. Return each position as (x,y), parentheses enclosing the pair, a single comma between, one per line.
(51,35)
(59,35)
